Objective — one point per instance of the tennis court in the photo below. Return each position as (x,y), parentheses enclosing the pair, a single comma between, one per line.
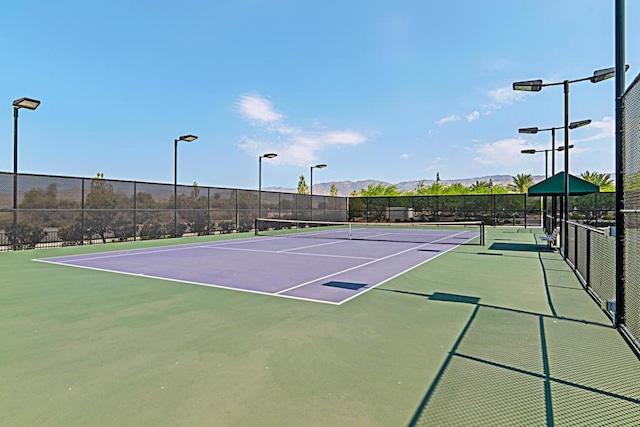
(346,263)
(500,334)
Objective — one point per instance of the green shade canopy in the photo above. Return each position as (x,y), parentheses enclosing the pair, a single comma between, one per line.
(554,186)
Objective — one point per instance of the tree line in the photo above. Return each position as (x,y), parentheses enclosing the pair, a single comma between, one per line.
(520,184)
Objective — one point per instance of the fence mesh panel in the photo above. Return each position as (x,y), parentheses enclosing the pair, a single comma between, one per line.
(55,211)
(631,190)
(492,209)
(571,248)
(582,253)
(602,277)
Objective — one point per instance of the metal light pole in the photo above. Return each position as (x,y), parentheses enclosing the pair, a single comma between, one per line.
(620,225)
(185,138)
(268,156)
(534,130)
(320,166)
(29,104)
(536,86)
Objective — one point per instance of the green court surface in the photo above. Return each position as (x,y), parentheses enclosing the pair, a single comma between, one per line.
(481,336)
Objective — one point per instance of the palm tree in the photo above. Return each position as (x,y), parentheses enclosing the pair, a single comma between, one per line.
(481,187)
(456,189)
(380,190)
(521,183)
(437,188)
(602,180)
(421,189)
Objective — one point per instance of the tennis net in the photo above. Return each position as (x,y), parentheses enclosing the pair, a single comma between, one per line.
(469,232)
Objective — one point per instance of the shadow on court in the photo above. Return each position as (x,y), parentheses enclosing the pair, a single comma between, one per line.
(514,367)
(519,247)
(346,285)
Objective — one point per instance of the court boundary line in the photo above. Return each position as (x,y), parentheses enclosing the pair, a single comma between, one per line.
(146,251)
(189,282)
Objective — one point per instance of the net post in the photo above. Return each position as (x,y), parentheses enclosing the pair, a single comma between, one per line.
(255,226)
(482,234)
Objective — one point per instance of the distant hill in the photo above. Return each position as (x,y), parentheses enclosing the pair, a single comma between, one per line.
(345,188)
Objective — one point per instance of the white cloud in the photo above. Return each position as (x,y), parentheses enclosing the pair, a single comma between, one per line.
(295,145)
(258,109)
(473,116)
(345,137)
(405,156)
(435,164)
(505,152)
(448,119)
(605,127)
(506,95)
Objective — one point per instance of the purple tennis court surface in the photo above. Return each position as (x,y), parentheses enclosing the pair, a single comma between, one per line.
(329,271)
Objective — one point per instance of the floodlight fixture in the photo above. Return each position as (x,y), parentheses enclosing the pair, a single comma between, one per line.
(28,103)
(529,151)
(269,155)
(604,74)
(528,130)
(579,124)
(528,85)
(188,138)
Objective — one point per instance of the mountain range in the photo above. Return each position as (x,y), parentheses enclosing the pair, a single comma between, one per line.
(345,188)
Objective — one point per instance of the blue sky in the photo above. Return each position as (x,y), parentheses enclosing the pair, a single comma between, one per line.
(394,91)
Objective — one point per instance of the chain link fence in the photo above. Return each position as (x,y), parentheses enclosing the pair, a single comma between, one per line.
(493,209)
(60,211)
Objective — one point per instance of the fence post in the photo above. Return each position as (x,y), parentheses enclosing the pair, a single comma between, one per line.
(575,248)
(82,213)
(135,211)
(588,258)
(237,214)
(597,211)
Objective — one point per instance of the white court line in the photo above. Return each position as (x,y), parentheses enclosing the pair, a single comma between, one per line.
(368,263)
(187,281)
(288,253)
(366,236)
(312,246)
(128,252)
